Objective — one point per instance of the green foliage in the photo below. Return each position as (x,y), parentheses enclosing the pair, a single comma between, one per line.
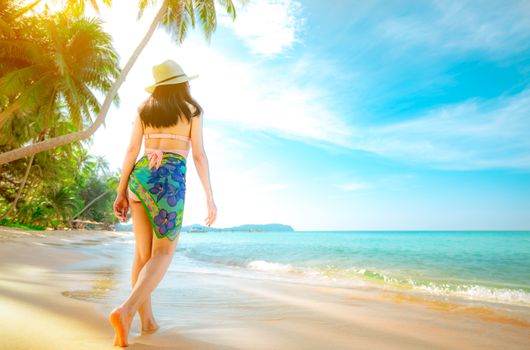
(5,222)
(49,65)
(182,15)
(77,7)
(58,188)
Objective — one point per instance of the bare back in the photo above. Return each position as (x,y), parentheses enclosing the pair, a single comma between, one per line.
(192,130)
(181,128)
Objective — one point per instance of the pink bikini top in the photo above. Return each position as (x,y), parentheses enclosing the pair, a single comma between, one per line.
(155,154)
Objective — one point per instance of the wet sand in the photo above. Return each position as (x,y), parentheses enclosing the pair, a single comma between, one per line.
(38,309)
(42,307)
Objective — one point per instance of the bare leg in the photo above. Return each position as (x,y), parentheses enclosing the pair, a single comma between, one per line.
(145,311)
(143,234)
(149,277)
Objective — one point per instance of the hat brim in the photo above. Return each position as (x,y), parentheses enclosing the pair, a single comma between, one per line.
(179,80)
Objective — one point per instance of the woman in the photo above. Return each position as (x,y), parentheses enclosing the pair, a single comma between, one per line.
(154,188)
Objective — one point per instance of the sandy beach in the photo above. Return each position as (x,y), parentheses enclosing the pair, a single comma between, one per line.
(44,281)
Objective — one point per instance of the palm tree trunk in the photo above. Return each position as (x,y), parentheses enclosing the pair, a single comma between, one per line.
(22,152)
(21,187)
(41,137)
(35,187)
(89,204)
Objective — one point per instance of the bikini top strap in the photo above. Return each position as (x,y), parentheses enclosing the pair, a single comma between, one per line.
(161,136)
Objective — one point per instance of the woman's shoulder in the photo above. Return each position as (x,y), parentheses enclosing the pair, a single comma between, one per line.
(196,110)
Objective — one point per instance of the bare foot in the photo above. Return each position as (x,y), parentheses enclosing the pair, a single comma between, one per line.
(121,322)
(150,326)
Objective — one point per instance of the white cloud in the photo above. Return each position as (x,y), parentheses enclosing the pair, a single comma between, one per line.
(476,134)
(267,27)
(458,25)
(472,135)
(274,187)
(353,186)
(248,97)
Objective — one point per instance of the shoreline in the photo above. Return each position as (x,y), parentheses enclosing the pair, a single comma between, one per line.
(44,311)
(38,313)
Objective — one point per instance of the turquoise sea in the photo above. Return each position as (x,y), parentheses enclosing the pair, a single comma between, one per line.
(490,266)
(481,266)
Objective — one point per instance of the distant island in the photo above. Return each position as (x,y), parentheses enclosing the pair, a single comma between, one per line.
(240,228)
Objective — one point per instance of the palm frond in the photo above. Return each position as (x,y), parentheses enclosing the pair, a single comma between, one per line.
(17,81)
(205,9)
(20,49)
(229,7)
(176,19)
(142,5)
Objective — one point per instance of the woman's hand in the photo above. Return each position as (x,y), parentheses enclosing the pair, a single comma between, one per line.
(212,213)
(121,206)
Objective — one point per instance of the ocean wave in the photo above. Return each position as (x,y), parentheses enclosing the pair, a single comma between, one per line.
(285,269)
(440,288)
(476,292)
(263,265)
(346,276)
(455,289)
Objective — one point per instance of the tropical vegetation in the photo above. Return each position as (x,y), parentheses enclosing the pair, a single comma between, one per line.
(51,65)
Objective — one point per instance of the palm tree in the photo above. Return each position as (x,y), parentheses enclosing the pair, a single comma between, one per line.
(64,202)
(175,16)
(54,61)
(62,62)
(94,183)
(36,48)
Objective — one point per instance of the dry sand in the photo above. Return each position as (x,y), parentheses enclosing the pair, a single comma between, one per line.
(36,312)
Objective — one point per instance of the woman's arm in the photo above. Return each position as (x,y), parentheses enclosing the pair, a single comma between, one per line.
(201,164)
(199,156)
(131,154)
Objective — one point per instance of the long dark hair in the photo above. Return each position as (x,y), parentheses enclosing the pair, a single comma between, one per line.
(167,105)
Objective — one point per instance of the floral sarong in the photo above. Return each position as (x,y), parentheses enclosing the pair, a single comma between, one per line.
(162,191)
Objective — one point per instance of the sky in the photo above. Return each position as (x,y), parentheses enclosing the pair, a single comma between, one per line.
(349,115)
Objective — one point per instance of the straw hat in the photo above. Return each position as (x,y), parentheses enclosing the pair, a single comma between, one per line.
(168,72)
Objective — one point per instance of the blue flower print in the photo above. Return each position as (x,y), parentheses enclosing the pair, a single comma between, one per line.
(159,188)
(165,221)
(169,166)
(158,174)
(174,160)
(174,194)
(178,173)
(182,189)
